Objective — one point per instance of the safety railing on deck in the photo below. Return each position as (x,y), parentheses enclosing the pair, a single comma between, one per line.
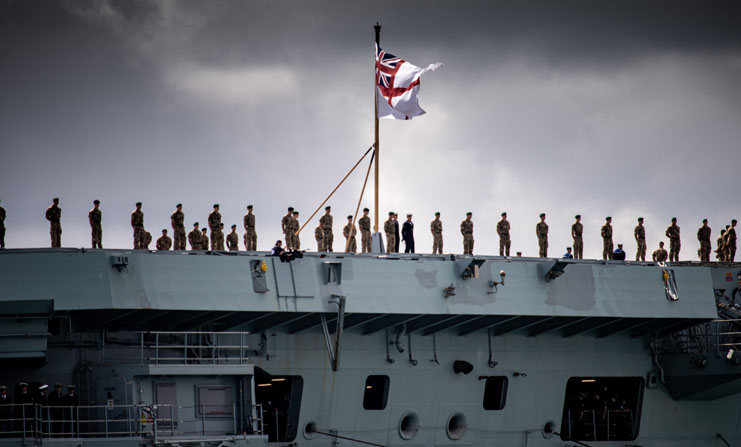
(721,337)
(592,425)
(108,421)
(193,347)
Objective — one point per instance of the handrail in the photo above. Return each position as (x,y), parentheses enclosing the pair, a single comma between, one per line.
(133,420)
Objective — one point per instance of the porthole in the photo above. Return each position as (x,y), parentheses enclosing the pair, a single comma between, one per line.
(408,425)
(457,426)
(310,430)
(549,429)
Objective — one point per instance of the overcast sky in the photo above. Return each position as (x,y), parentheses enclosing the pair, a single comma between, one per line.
(601,108)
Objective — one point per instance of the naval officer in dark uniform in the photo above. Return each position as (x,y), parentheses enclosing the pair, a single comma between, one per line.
(407,234)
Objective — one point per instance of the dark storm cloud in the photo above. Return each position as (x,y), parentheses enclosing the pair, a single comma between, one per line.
(620,108)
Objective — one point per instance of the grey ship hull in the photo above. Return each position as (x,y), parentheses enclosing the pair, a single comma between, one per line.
(113,322)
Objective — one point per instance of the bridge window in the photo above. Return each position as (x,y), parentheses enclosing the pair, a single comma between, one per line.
(602,408)
(495,393)
(376,392)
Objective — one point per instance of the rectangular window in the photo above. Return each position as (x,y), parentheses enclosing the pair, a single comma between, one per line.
(495,393)
(214,400)
(602,408)
(376,392)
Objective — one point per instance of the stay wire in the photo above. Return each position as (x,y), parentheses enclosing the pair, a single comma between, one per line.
(335,189)
(357,208)
(349,439)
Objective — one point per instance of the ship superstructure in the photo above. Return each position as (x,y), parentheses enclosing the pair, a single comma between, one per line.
(215,348)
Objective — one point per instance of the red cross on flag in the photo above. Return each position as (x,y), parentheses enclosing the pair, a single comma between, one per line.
(397,84)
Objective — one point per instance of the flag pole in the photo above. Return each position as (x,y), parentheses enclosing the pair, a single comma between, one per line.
(377,29)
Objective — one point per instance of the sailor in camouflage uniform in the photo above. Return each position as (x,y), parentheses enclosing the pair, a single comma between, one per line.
(286,226)
(177,221)
(232,240)
(672,232)
(137,223)
(214,224)
(730,242)
(349,231)
(164,242)
(703,235)
(720,252)
(295,226)
(467,232)
(54,216)
(204,239)
(503,231)
(147,240)
(640,234)
(660,254)
(319,237)
(194,238)
(606,233)
(365,231)
(326,223)
(390,230)
(577,231)
(541,231)
(436,228)
(95,217)
(250,234)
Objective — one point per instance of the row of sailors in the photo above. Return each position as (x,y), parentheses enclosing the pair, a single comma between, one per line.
(199,239)
(21,414)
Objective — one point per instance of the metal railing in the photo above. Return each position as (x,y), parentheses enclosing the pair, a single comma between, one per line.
(193,347)
(716,336)
(611,427)
(107,421)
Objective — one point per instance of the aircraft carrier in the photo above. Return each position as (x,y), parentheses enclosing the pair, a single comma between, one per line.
(334,349)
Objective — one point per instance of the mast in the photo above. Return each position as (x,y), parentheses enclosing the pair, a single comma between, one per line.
(377,29)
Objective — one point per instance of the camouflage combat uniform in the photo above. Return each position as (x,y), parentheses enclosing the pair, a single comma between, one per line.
(164,242)
(436,228)
(250,235)
(640,234)
(95,217)
(319,237)
(147,240)
(327,237)
(232,241)
(577,231)
(504,240)
(660,255)
(349,231)
(54,216)
(541,231)
(194,237)
(607,246)
(703,235)
(390,229)
(720,252)
(672,232)
(204,239)
(467,232)
(177,220)
(295,226)
(365,233)
(286,225)
(217,236)
(137,223)
(730,244)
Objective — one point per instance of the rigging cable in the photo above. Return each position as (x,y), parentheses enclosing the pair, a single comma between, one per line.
(357,208)
(335,189)
(349,439)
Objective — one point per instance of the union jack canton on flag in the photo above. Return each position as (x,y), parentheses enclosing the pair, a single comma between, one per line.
(397,84)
